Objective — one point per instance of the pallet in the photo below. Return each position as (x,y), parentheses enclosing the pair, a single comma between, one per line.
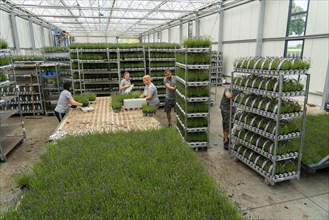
(312,168)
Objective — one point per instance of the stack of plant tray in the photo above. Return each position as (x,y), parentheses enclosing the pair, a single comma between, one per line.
(103,119)
(264,137)
(193,93)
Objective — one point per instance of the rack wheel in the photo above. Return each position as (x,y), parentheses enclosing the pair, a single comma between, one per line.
(235,159)
(3,158)
(267,182)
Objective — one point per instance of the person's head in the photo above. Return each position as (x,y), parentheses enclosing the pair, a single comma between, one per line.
(67,85)
(147,80)
(126,75)
(168,74)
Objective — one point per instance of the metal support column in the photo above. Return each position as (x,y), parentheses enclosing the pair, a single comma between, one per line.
(169,34)
(220,28)
(14,31)
(197,25)
(325,98)
(31,34)
(260,30)
(43,40)
(154,37)
(181,32)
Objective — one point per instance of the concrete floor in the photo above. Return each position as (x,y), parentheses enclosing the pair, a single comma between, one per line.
(306,198)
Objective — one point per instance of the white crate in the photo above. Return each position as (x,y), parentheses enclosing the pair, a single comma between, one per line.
(133,103)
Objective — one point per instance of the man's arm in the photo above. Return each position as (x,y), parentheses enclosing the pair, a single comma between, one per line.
(170,87)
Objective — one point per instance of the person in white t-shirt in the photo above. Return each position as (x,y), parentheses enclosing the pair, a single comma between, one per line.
(65,99)
(125,83)
(150,92)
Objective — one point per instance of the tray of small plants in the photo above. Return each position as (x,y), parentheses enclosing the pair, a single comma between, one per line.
(272,65)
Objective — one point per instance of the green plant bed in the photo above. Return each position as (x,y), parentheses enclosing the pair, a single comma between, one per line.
(197,137)
(3,77)
(197,42)
(4,61)
(114,176)
(82,99)
(195,107)
(198,91)
(3,44)
(316,138)
(197,122)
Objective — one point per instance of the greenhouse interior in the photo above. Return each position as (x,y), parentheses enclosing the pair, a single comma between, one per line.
(164,109)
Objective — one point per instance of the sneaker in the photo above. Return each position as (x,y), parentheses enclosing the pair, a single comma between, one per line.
(226,145)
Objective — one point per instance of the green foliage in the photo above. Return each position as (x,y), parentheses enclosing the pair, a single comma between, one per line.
(122,176)
(4,61)
(82,99)
(148,108)
(24,180)
(27,58)
(3,44)
(3,77)
(91,97)
(53,49)
(200,42)
(316,138)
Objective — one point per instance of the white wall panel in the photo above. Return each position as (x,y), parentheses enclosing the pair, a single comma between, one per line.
(23,31)
(273,48)
(37,36)
(164,36)
(175,34)
(151,38)
(241,22)
(318,17)
(47,38)
(94,39)
(185,31)
(209,26)
(5,28)
(111,39)
(314,49)
(233,51)
(81,39)
(276,18)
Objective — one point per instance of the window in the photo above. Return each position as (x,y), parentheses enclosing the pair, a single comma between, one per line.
(296,27)
(128,40)
(190,29)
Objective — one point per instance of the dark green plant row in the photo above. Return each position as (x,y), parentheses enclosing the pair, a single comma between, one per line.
(193,75)
(95,66)
(163,64)
(194,58)
(137,64)
(192,122)
(194,136)
(48,69)
(57,58)
(162,55)
(268,83)
(88,56)
(157,73)
(202,91)
(266,145)
(122,46)
(272,63)
(54,49)
(267,104)
(265,124)
(117,99)
(27,58)
(148,108)
(3,44)
(197,42)
(121,176)
(284,166)
(316,138)
(192,107)
(4,61)
(3,77)
(125,55)
(134,74)
(85,98)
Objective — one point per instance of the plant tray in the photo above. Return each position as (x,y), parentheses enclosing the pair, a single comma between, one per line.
(191,130)
(87,109)
(272,72)
(312,168)
(192,115)
(6,66)
(203,83)
(194,99)
(195,50)
(184,66)
(269,93)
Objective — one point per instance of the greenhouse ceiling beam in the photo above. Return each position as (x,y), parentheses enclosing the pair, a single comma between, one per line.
(110,16)
(125,18)
(101,8)
(145,17)
(69,10)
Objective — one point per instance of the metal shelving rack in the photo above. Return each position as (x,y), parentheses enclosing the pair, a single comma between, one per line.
(99,79)
(133,58)
(157,72)
(11,134)
(29,86)
(51,86)
(216,71)
(183,114)
(251,153)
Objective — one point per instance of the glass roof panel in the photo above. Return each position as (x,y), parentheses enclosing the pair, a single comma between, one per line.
(119,17)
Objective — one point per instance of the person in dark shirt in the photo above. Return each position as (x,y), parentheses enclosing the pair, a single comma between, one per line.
(225,109)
